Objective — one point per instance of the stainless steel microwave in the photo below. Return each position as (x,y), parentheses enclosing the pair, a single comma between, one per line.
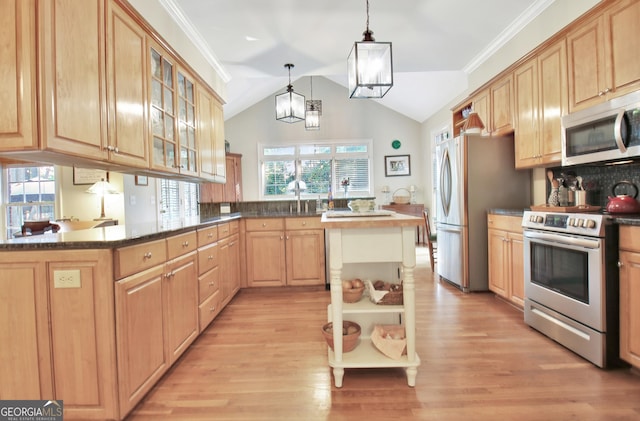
(605,132)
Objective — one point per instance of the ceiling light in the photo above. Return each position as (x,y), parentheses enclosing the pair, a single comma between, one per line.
(370,66)
(290,105)
(313,111)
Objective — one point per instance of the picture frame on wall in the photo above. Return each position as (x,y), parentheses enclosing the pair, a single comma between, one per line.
(142,180)
(397,165)
(83,176)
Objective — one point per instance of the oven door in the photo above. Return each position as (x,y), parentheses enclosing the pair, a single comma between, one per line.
(566,274)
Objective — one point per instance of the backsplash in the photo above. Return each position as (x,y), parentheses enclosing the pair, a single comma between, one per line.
(600,179)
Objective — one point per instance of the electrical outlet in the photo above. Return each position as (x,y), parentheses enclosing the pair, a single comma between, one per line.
(66,278)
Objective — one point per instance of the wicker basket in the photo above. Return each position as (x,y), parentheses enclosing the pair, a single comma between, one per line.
(352,295)
(394,293)
(401,196)
(349,341)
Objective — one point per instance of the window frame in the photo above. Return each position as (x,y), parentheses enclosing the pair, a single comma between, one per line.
(332,156)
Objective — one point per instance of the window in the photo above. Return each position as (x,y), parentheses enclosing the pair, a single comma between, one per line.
(319,166)
(178,202)
(31,196)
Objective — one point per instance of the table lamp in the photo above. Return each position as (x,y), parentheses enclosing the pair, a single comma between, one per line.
(102,188)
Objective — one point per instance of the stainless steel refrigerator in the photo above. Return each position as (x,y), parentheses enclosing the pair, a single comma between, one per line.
(475,173)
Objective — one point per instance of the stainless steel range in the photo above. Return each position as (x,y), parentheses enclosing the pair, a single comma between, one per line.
(571,282)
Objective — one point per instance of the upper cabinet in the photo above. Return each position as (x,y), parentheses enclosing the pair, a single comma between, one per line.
(501,115)
(89,83)
(540,86)
(127,87)
(601,58)
(72,59)
(17,79)
(210,136)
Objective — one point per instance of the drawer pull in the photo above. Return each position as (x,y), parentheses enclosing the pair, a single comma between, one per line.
(210,257)
(147,255)
(304,223)
(185,244)
(210,235)
(212,284)
(212,309)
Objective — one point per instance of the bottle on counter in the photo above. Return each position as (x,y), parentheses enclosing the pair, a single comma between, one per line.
(330,198)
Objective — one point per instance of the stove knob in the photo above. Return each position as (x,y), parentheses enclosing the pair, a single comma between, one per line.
(579,222)
(539,219)
(572,222)
(590,223)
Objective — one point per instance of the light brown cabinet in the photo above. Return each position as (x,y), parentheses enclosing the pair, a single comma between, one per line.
(57,337)
(72,56)
(540,86)
(127,88)
(630,294)
(506,257)
(229,254)
(287,251)
(481,104)
(231,190)
(208,276)
(600,65)
(501,115)
(18,117)
(211,136)
(156,311)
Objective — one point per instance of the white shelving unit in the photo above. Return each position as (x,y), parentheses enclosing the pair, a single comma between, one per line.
(360,245)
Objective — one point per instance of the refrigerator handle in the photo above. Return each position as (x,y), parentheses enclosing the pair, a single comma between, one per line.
(445,190)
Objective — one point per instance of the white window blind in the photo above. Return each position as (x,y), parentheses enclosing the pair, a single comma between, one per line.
(169,204)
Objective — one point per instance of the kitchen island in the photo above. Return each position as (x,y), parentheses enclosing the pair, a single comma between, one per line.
(371,247)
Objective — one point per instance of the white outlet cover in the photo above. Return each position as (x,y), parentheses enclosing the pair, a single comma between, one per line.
(67,278)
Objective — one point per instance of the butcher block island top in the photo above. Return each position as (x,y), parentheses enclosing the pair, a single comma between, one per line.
(372,247)
(375,219)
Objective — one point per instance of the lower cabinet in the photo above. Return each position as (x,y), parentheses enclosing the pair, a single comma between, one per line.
(56,330)
(506,257)
(156,314)
(285,251)
(630,294)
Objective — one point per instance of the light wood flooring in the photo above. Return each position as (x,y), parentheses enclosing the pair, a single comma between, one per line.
(264,358)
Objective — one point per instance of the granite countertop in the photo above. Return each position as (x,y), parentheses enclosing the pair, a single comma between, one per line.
(121,235)
(506,212)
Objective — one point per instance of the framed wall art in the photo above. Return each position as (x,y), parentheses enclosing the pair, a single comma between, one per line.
(396,165)
(89,175)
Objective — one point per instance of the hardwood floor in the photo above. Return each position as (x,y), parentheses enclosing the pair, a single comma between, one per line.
(264,358)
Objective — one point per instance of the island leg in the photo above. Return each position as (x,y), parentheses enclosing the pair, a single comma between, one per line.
(338,375)
(412,372)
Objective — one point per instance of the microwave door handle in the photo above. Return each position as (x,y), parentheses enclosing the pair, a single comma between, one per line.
(617,131)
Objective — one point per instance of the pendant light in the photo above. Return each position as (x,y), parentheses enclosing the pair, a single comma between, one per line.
(290,105)
(313,111)
(370,66)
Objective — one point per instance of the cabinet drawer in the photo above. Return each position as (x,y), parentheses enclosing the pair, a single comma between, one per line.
(207,258)
(209,309)
(181,244)
(132,259)
(505,222)
(207,235)
(303,223)
(234,227)
(208,284)
(630,238)
(224,230)
(265,224)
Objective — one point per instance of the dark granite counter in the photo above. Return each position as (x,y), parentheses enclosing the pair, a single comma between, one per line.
(626,219)
(507,212)
(124,235)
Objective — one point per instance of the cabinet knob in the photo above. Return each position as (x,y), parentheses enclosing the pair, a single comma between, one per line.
(304,223)
(147,255)
(264,224)
(210,257)
(212,309)
(620,264)
(212,284)
(185,244)
(210,235)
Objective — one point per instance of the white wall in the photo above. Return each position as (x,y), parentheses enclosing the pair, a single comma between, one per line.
(558,15)
(342,118)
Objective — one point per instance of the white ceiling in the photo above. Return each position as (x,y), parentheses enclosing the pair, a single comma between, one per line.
(436,43)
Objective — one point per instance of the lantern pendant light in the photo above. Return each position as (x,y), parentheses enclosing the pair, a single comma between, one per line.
(313,111)
(290,105)
(370,66)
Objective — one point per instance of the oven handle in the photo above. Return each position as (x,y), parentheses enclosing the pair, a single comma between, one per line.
(563,239)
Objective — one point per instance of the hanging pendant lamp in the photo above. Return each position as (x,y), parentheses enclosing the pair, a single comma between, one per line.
(370,66)
(313,111)
(290,105)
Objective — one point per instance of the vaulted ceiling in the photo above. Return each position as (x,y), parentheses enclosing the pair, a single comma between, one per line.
(436,43)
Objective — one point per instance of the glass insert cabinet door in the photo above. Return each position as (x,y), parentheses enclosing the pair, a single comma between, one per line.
(162,110)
